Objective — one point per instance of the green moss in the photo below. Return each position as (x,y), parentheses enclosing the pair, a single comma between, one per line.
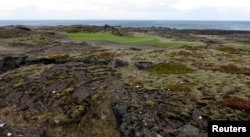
(46,118)
(179,87)
(150,103)
(62,120)
(67,91)
(170,68)
(171,115)
(77,113)
(97,96)
(67,100)
(134,105)
(17,85)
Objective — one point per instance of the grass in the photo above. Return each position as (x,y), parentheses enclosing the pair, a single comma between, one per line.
(134,40)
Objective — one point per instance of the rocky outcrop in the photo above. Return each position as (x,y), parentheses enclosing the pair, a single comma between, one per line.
(53,95)
(9,62)
(149,113)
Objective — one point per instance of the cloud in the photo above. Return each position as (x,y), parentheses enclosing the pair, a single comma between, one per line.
(121,9)
(242,5)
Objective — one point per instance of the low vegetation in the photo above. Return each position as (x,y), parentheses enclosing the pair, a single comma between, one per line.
(170,68)
(134,40)
(179,87)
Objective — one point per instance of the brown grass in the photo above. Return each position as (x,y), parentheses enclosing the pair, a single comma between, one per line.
(229,68)
(59,56)
(108,54)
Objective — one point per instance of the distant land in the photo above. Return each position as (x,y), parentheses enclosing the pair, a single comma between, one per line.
(174,24)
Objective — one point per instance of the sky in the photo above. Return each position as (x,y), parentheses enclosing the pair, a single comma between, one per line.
(125,9)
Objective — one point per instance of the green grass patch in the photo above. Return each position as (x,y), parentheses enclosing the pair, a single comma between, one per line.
(133,40)
(170,68)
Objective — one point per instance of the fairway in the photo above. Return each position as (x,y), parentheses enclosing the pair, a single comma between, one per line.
(133,40)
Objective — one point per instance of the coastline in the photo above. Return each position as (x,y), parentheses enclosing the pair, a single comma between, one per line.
(173,24)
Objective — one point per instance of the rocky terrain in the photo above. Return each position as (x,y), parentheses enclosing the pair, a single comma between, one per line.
(51,86)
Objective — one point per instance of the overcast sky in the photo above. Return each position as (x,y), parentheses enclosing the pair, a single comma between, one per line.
(126,9)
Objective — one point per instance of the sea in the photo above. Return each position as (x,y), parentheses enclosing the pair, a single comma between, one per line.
(174,24)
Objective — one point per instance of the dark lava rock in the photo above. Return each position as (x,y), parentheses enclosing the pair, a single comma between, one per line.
(116,32)
(135,49)
(2,103)
(42,61)
(21,27)
(120,63)
(9,62)
(10,131)
(136,119)
(107,26)
(144,65)
(95,60)
(198,118)
(188,131)
(149,113)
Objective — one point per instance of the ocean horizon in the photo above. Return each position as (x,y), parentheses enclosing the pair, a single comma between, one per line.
(173,24)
